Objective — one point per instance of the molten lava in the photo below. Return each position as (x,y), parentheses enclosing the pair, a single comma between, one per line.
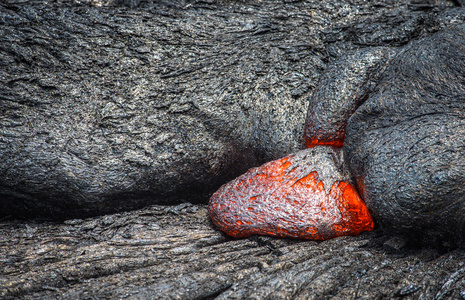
(314,137)
(282,199)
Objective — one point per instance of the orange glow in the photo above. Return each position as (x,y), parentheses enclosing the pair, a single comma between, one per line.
(313,136)
(314,142)
(277,199)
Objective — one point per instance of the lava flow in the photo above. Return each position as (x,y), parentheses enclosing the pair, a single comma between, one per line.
(284,198)
(315,137)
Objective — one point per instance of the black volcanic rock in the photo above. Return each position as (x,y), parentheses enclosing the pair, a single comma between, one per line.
(108,108)
(405,145)
(104,109)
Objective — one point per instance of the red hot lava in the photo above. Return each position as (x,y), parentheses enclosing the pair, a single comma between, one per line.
(284,198)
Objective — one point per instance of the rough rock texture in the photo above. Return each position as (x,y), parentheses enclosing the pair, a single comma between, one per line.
(78,87)
(405,149)
(111,108)
(344,85)
(175,253)
(104,109)
(405,145)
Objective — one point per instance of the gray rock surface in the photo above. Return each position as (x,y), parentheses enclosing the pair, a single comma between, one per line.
(174,252)
(341,89)
(89,95)
(110,108)
(405,146)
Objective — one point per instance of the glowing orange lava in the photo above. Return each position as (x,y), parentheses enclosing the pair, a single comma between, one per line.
(314,137)
(313,142)
(277,199)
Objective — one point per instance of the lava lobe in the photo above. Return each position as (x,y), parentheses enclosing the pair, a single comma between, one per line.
(303,195)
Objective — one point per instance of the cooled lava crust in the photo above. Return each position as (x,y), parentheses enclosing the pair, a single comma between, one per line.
(399,116)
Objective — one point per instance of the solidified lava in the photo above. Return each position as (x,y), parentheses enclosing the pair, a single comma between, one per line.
(285,198)
(340,91)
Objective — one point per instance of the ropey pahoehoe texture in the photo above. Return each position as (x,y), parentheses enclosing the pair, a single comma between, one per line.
(141,79)
(106,109)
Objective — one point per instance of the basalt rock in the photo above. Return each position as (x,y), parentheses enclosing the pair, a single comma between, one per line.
(174,252)
(405,145)
(404,111)
(57,59)
(340,90)
(104,109)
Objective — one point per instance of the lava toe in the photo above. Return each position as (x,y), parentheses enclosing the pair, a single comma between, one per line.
(341,89)
(303,195)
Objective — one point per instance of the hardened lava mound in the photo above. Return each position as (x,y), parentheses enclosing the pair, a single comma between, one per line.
(302,195)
